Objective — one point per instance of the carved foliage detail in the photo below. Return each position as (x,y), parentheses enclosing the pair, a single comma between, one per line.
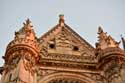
(105,41)
(65,46)
(29,62)
(112,69)
(63,40)
(41,73)
(99,78)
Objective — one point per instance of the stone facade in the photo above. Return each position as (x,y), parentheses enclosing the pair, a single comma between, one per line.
(62,56)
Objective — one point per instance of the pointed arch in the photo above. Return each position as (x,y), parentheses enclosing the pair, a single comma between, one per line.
(66,75)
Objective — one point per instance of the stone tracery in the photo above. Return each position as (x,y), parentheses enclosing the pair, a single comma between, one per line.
(62,56)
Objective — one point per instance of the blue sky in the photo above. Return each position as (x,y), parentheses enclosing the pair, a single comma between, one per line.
(84,16)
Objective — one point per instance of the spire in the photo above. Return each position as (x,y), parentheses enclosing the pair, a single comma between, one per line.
(105,40)
(61,20)
(100,30)
(123,42)
(26,31)
(102,35)
(28,25)
(28,21)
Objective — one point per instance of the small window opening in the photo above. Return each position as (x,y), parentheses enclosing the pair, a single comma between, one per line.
(60,81)
(52,46)
(75,48)
(65,81)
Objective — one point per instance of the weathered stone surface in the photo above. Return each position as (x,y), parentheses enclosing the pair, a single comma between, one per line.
(62,56)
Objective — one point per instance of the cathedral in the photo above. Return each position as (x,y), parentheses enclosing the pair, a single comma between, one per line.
(62,56)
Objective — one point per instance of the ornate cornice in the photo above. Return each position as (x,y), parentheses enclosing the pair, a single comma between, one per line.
(67,64)
(25,42)
(75,58)
(111,52)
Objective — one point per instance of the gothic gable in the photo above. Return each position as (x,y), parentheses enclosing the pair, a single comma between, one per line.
(62,56)
(62,43)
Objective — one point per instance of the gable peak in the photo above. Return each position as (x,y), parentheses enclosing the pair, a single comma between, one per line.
(61,20)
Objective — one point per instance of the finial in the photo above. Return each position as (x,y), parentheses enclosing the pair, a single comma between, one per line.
(61,19)
(28,21)
(28,25)
(100,30)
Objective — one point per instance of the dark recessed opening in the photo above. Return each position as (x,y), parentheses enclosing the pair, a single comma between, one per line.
(60,81)
(75,48)
(52,46)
